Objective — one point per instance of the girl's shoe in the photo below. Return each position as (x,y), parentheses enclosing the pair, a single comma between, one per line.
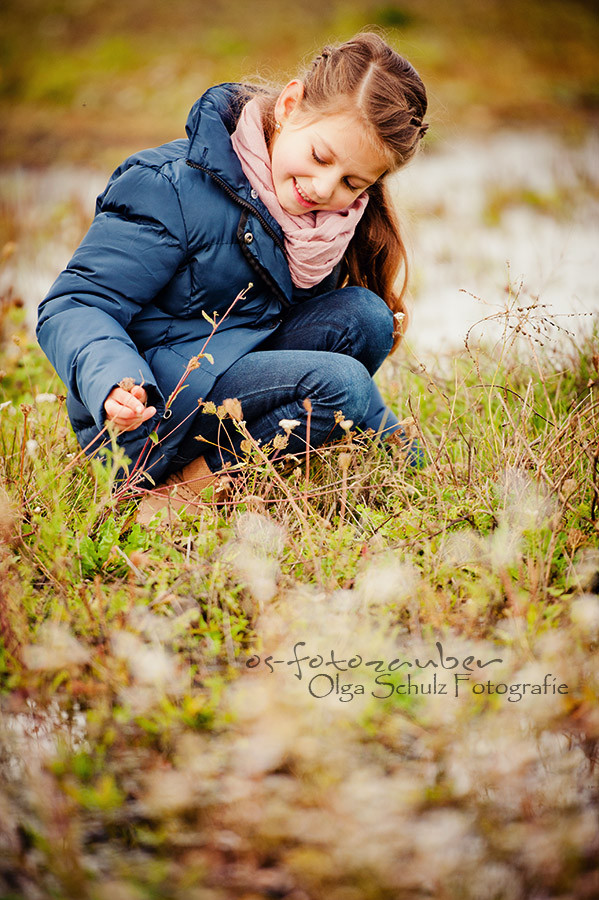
(181,492)
(407,439)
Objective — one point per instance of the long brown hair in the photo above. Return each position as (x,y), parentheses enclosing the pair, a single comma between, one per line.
(365,77)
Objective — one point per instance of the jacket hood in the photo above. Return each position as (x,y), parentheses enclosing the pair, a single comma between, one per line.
(210,124)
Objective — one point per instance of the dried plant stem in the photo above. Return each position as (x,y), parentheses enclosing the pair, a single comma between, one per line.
(344,460)
(193,363)
(308,407)
(26,409)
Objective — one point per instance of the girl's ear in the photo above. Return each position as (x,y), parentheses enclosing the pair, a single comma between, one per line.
(288,100)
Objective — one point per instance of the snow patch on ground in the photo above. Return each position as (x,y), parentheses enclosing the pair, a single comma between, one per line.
(518,209)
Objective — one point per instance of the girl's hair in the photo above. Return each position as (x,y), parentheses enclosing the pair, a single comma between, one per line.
(365,77)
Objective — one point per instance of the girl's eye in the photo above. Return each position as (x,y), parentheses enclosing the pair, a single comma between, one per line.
(323,162)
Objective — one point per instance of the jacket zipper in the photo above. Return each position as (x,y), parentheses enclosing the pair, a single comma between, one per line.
(229,190)
(270,231)
(263,272)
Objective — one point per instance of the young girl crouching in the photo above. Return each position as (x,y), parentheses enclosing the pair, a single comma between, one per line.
(284,192)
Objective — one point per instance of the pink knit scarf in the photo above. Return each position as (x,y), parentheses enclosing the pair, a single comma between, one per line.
(314,242)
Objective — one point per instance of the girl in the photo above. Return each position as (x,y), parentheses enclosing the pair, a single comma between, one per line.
(277,200)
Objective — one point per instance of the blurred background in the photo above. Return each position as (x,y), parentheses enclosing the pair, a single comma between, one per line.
(90,80)
(511,154)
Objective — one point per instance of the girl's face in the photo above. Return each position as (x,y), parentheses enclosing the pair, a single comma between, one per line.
(321,164)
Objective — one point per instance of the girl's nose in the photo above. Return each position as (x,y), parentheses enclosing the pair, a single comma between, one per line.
(323,187)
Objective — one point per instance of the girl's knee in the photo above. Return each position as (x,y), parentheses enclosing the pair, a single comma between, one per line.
(371,322)
(345,386)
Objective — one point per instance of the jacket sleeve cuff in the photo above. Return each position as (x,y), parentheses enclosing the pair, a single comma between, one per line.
(107,374)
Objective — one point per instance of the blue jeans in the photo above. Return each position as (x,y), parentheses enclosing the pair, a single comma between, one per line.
(326,349)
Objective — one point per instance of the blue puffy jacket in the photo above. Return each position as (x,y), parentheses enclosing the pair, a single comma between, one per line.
(178,232)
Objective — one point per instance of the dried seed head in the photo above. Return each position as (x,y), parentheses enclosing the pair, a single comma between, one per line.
(233,407)
(260,533)
(344,461)
(410,428)
(32,446)
(289,424)
(584,612)
(55,648)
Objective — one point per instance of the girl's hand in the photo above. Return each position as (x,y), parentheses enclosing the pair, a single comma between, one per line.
(127,409)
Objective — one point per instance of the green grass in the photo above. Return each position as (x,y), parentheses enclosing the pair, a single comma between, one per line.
(142,757)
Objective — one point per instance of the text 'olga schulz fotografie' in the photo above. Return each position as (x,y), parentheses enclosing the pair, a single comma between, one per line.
(323,676)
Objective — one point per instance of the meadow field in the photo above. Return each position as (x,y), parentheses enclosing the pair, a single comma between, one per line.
(353,680)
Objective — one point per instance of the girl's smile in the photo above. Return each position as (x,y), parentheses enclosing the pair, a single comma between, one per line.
(322,164)
(302,197)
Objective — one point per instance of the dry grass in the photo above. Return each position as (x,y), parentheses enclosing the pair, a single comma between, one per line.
(156,740)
